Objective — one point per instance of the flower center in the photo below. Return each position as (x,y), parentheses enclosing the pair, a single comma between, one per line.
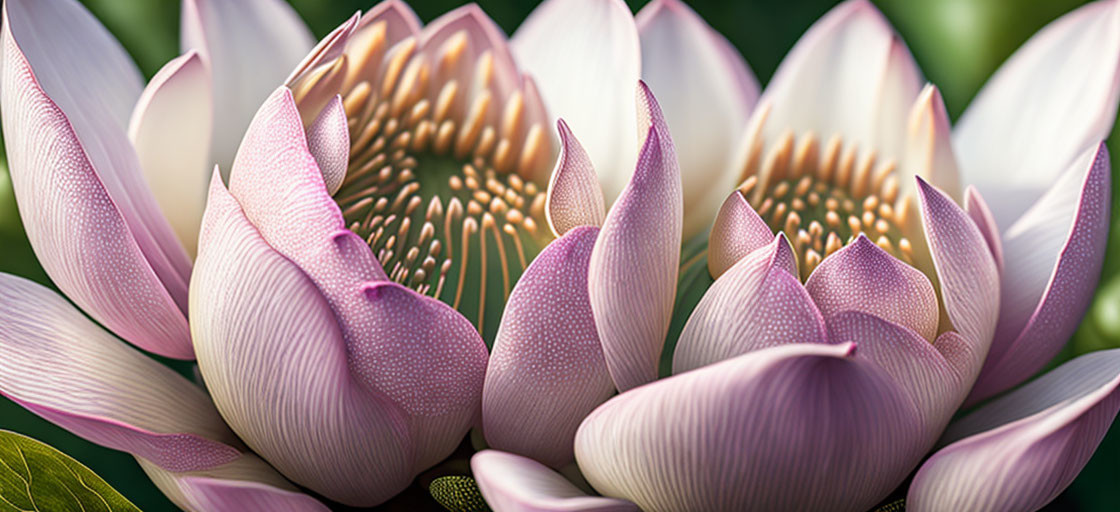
(823,196)
(440,177)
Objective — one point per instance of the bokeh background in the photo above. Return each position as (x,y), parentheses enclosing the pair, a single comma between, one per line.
(958,44)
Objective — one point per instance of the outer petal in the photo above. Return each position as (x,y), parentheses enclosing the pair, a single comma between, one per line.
(547,371)
(171,128)
(88,214)
(737,231)
(274,360)
(871,81)
(707,94)
(512,483)
(1052,99)
(574,196)
(864,277)
(437,357)
(63,367)
(1053,259)
(247,483)
(978,209)
(328,140)
(585,56)
(966,275)
(1024,448)
(251,46)
(756,304)
(803,426)
(633,275)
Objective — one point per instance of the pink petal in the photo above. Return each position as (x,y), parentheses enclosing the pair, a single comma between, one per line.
(757,303)
(966,274)
(850,74)
(247,483)
(864,277)
(737,231)
(1022,450)
(574,196)
(89,216)
(328,140)
(585,56)
(707,93)
(60,365)
(929,150)
(251,46)
(803,426)
(1053,259)
(547,371)
(978,209)
(275,362)
(171,128)
(1053,98)
(633,276)
(512,483)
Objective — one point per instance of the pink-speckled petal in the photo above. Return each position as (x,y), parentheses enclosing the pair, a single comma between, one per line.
(1053,98)
(483,36)
(1022,450)
(633,275)
(512,483)
(707,94)
(436,357)
(966,273)
(759,302)
(872,81)
(738,230)
(328,140)
(60,365)
(929,150)
(574,196)
(864,277)
(586,57)
(74,178)
(171,128)
(247,483)
(802,426)
(547,370)
(273,359)
(251,47)
(1053,259)
(978,209)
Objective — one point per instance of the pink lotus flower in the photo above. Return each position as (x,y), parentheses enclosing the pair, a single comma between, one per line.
(825,362)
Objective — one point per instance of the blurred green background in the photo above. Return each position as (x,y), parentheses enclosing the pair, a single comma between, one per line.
(958,44)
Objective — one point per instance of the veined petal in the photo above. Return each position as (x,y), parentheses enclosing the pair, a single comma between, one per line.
(707,93)
(757,303)
(328,140)
(547,370)
(1053,98)
(1023,449)
(76,181)
(850,74)
(633,275)
(966,274)
(1053,259)
(171,128)
(737,231)
(60,365)
(978,209)
(251,46)
(586,57)
(864,277)
(802,426)
(247,483)
(273,358)
(281,191)
(929,151)
(512,483)
(574,196)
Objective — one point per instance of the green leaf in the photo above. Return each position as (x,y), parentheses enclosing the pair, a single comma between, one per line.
(34,476)
(458,493)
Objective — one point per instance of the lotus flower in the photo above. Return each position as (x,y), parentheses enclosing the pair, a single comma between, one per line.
(861,297)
